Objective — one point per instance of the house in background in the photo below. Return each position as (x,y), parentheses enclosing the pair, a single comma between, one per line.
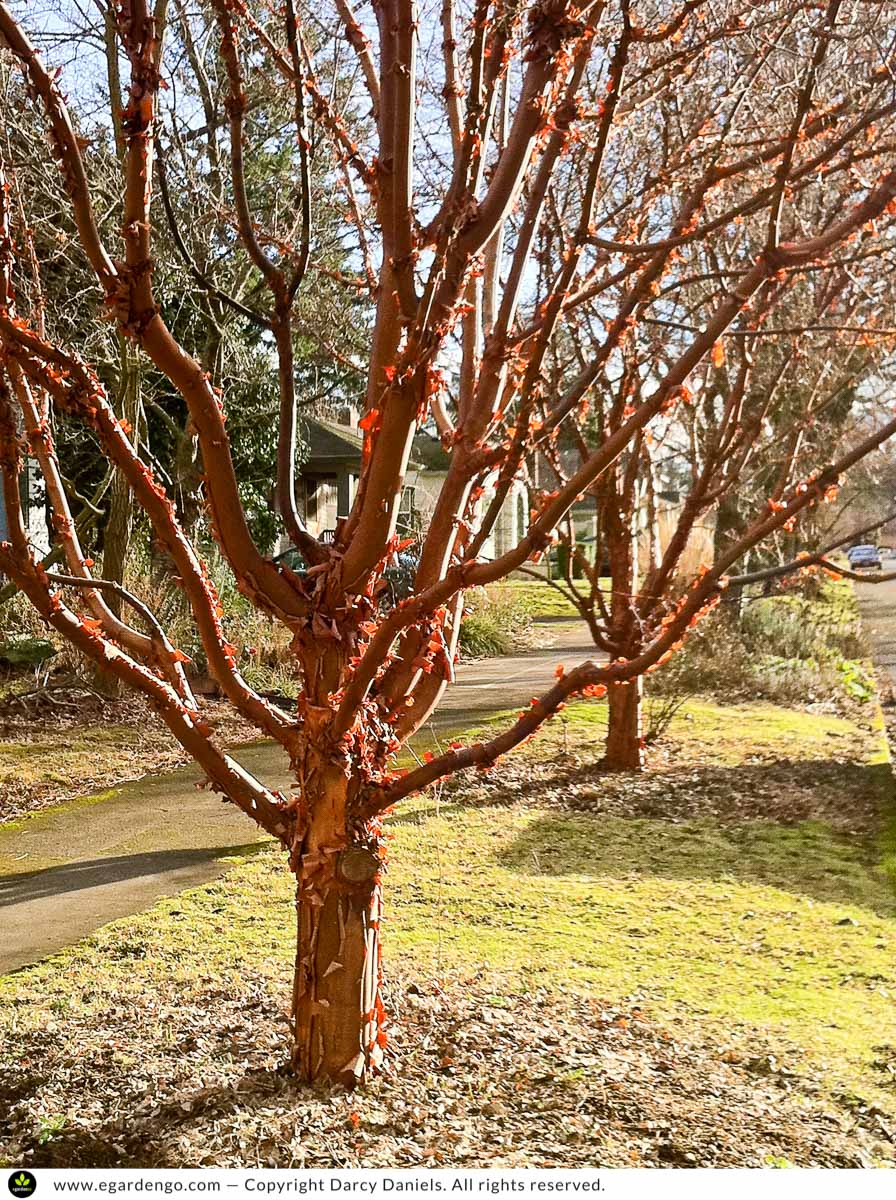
(424,480)
(656,526)
(656,521)
(329,475)
(328,479)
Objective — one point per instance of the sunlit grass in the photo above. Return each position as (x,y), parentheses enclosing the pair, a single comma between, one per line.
(540,600)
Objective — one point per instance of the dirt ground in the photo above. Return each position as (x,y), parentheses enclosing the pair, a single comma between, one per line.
(82,743)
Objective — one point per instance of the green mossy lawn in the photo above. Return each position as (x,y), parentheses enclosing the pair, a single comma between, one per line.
(783,930)
(540,600)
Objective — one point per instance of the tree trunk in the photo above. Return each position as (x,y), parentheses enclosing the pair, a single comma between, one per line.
(117,536)
(120,521)
(337,1011)
(625,740)
(624,746)
(729,525)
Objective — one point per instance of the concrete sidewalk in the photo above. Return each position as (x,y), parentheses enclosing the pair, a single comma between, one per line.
(877,607)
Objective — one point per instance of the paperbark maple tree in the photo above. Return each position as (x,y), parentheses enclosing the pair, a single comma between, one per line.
(765,411)
(529,112)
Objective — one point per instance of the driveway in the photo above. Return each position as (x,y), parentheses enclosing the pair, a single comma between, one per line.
(493,684)
(66,871)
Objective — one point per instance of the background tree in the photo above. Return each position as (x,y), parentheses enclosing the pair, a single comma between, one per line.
(221,317)
(445,246)
(192,231)
(768,407)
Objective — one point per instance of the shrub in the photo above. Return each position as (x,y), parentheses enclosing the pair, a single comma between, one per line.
(659,713)
(798,628)
(262,646)
(786,648)
(20,619)
(29,650)
(480,637)
(22,651)
(495,622)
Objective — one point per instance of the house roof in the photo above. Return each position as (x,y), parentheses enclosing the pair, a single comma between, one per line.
(330,444)
(429,453)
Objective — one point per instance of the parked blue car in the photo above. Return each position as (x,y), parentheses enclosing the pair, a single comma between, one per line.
(864,556)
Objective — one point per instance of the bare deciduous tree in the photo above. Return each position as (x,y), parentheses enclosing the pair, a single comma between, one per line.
(635,130)
(770,406)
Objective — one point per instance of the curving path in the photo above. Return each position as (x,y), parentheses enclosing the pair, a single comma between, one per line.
(70,869)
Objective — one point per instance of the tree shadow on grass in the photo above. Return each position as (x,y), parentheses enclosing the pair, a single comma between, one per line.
(97,872)
(852,797)
(668,839)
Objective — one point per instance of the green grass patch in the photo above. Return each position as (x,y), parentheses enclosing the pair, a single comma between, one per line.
(743,927)
(730,733)
(54,759)
(540,600)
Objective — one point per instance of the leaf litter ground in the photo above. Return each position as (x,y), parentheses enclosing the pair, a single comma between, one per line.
(480,1079)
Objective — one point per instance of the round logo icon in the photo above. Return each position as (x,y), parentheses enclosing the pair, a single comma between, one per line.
(22,1183)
